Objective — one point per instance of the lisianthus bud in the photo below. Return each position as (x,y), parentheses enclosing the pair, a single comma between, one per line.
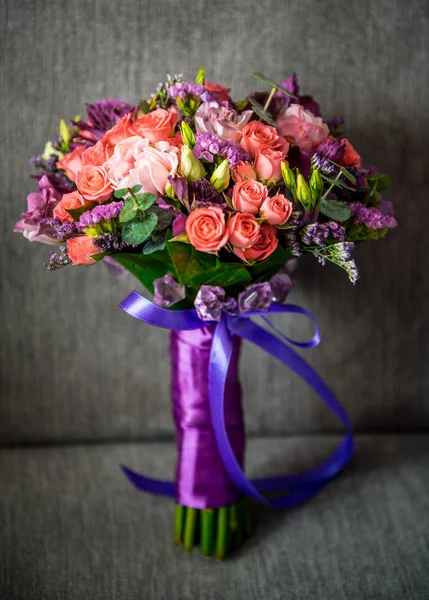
(316,184)
(190,166)
(303,192)
(288,176)
(220,177)
(169,190)
(65,132)
(49,150)
(187,135)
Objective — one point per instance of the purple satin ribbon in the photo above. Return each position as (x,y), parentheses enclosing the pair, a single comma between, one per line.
(299,487)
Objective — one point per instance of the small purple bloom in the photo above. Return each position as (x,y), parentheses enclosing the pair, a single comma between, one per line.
(205,195)
(209,302)
(108,241)
(371,217)
(58,260)
(103,212)
(209,145)
(168,291)
(256,297)
(183,89)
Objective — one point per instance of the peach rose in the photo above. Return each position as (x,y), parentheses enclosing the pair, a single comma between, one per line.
(265,245)
(121,131)
(72,200)
(243,230)
(206,230)
(350,157)
(276,210)
(97,155)
(80,249)
(268,164)
(257,136)
(243,170)
(248,196)
(219,91)
(71,163)
(93,184)
(158,125)
(302,128)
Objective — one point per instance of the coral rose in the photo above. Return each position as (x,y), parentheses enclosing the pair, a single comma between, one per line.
(93,184)
(268,163)
(258,136)
(264,245)
(304,129)
(276,210)
(97,155)
(220,92)
(206,230)
(156,126)
(350,157)
(243,230)
(243,170)
(68,201)
(121,131)
(71,163)
(80,250)
(248,195)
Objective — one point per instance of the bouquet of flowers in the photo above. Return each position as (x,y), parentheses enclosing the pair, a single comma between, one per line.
(209,202)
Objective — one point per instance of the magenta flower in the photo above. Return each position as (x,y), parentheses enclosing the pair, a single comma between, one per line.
(40,207)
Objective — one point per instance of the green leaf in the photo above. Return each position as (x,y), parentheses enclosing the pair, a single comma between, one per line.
(228,200)
(77,212)
(378,182)
(189,264)
(137,230)
(224,275)
(121,193)
(259,110)
(164,218)
(334,209)
(136,188)
(154,245)
(144,107)
(145,268)
(272,264)
(337,183)
(128,211)
(200,76)
(241,105)
(272,84)
(145,200)
(348,175)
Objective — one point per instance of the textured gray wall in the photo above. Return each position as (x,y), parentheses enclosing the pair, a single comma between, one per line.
(73,366)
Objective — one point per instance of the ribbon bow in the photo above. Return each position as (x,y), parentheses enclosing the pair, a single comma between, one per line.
(301,486)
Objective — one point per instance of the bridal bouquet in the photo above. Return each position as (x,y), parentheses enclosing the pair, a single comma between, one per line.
(208,202)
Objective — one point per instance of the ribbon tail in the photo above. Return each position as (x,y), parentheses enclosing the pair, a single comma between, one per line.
(153,486)
(301,486)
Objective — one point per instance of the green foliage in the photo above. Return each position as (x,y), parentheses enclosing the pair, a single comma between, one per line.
(361,232)
(154,245)
(189,263)
(145,200)
(200,78)
(334,209)
(378,182)
(145,268)
(144,107)
(259,110)
(121,193)
(272,84)
(128,212)
(271,265)
(138,230)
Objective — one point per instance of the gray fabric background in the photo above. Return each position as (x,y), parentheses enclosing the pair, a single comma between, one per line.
(73,366)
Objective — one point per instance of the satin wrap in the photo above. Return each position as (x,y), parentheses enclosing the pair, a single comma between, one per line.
(201,478)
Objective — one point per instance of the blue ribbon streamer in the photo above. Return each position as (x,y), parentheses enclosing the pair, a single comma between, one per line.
(299,487)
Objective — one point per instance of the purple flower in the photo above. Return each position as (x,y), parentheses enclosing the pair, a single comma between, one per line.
(63,231)
(102,116)
(220,119)
(180,186)
(205,194)
(179,224)
(183,89)
(108,241)
(371,217)
(103,212)
(332,150)
(209,145)
(323,164)
(57,261)
(40,207)
(316,233)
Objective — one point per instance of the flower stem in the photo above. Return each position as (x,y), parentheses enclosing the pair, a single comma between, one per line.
(207,531)
(270,97)
(222,532)
(190,526)
(179,521)
(332,185)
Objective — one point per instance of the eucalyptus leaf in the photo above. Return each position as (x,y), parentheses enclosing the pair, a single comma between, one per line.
(337,183)
(145,200)
(334,209)
(136,188)
(154,245)
(128,211)
(273,84)
(121,193)
(259,110)
(348,175)
(76,213)
(138,230)
(164,218)
(378,182)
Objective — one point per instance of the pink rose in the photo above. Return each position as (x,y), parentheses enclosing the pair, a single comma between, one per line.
(243,170)
(248,196)
(93,184)
(72,200)
(123,159)
(158,125)
(97,155)
(265,245)
(152,166)
(243,230)
(350,157)
(268,164)
(80,249)
(71,163)
(302,128)
(121,131)
(206,230)
(220,120)
(220,91)
(258,136)
(276,210)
